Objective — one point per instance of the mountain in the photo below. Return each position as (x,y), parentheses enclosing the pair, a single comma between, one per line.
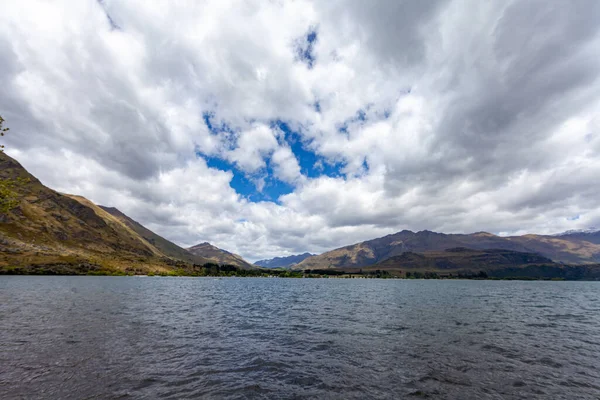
(591,235)
(218,256)
(462,258)
(564,249)
(283,262)
(54,231)
(577,231)
(494,263)
(558,249)
(168,248)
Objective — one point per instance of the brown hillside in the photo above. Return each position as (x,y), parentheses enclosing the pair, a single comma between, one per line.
(218,256)
(168,248)
(47,227)
(559,249)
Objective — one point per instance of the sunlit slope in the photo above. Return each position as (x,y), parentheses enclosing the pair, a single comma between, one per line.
(219,256)
(168,248)
(47,227)
(494,263)
(558,249)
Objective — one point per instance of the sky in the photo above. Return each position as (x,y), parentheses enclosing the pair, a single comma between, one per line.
(271,128)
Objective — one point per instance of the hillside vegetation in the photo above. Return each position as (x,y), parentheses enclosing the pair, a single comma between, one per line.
(52,231)
(219,256)
(472,264)
(563,249)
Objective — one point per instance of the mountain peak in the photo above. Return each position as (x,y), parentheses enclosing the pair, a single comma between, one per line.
(578,231)
(200,245)
(217,255)
(484,234)
(374,251)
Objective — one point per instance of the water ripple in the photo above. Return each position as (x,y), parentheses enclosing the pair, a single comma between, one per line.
(177,338)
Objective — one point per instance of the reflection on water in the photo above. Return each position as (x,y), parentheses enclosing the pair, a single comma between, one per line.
(127,337)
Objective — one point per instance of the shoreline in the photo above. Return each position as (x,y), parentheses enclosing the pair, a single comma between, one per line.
(299,277)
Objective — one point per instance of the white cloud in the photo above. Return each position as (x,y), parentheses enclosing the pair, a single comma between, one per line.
(446,115)
(286,167)
(253,146)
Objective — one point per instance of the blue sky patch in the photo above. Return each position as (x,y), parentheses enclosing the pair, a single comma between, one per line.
(311,165)
(317,106)
(245,186)
(213,127)
(305,48)
(358,118)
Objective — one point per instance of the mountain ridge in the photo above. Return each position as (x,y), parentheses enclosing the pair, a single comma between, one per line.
(165,246)
(218,256)
(47,231)
(469,263)
(573,250)
(591,235)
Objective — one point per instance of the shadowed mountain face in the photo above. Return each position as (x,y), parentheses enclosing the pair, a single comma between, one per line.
(50,228)
(462,258)
(495,263)
(283,262)
(559,249)
(218,256)
(591,236)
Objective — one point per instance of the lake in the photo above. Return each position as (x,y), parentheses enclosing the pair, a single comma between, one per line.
(176,338)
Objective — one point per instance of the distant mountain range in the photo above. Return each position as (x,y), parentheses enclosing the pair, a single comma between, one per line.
(577,231)
(283,262)
(469,263)
(50,231)
(591,235)
(572,248)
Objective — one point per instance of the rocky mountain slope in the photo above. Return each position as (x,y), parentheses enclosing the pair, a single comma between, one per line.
(47,228)
(168,248)
(493,263)
(574,250)
(218,256)
(461,258)
(283,262)
(588,235)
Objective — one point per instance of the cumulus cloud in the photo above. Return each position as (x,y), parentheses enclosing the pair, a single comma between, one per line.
(253,146)
(450,115)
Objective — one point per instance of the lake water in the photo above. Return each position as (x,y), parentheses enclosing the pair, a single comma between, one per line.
(175,338)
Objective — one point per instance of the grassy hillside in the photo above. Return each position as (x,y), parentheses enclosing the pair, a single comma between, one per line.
(462,259)
(567,249)
(558,249)
(168,248)
(48,229)
(471,263)
(219,256)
